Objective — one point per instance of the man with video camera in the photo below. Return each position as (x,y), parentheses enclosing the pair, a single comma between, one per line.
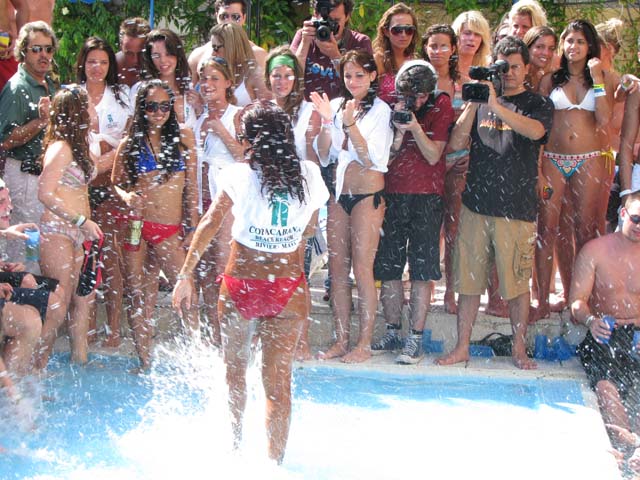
(414,186)
(320,43)
(497,221)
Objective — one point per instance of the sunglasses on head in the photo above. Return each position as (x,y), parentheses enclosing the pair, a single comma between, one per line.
(39,48)
(406,29)
(236,17)
(215,47)
(151,107)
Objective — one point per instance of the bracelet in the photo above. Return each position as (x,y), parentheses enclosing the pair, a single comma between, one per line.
(348,126)
(79,220)
(598,85)
(625,192)
(189,229)
(327,123)
(590,319)
(599,93)
(182,276)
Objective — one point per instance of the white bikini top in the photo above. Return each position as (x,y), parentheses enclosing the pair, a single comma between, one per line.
(561,102)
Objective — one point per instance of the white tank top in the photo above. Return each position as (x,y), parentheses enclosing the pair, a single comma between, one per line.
(242,95)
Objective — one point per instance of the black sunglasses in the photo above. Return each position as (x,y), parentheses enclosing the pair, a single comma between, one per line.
(635,219)
(398,29)
(151,107)
(215,47)
(39,48)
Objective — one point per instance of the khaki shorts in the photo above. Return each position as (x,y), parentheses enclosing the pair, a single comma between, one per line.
(483,240)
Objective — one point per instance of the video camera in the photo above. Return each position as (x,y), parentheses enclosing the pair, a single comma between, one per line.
(326,26)
(478,92)
(414,78)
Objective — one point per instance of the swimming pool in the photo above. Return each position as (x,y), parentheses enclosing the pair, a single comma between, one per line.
(346,424)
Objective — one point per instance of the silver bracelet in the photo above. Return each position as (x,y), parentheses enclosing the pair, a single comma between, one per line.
(590,319)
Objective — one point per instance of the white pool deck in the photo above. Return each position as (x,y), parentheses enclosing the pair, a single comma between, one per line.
(556,445)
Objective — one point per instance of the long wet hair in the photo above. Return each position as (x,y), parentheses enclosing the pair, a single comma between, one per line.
(382,45)
(295,97)
(444,29)
(97,43)
(69,122)
(169,157)
(220,65)
(561,76)
(237,49)
(174,47)
(272,151)
(365,60)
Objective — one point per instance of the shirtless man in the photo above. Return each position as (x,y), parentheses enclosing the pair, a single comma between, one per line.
(132,34)
(226,11)
(603,286)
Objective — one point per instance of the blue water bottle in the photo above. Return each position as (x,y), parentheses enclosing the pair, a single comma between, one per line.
(610,321)
(32,245)
(634,348)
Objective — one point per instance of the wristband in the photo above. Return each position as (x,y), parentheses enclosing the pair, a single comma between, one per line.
(79,220)
(590,319)
(182,276)
(189,229)
(327,123)
(625,192)
(348,126)
(599,93)
(598,86)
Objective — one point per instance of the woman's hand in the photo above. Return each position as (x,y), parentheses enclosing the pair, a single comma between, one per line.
(133,200)
(91,230)
(183,293)
(5,291)
(596,70)
(16,232)
(322,104)
(348,115)
(195,100)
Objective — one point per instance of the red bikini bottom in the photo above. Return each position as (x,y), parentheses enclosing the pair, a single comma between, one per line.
(155,233)
(257,297)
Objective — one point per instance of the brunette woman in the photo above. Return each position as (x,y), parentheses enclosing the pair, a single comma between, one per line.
(155,175)
(542,43)
(356,131)
(66,222)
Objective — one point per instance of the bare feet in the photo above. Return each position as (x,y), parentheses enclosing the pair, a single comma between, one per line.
(538,313)
(450,305)
(337,350)
(357,355)
(112,341)
(303,352)
(497,308)
(521,359)
(457,355)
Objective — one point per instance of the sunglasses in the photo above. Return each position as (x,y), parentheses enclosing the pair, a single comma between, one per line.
(635,219)
(406,29)
(151,107)
(215,47)
(39,48)
(219,61)
(236,17)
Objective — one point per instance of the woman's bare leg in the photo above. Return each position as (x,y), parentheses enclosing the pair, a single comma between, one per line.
(279,337)
(79,326)
(56,315)
(454,184)
(339,243)
(366,222)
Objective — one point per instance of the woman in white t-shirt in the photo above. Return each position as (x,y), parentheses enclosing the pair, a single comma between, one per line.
(356,130)
(274,198)
(217,148)
(284,78)
(109,110)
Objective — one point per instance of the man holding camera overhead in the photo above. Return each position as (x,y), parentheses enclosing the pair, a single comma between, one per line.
(320,43)
(497,221)
(414,186)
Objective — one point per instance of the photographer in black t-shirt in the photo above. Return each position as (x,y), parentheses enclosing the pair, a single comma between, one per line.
(497,222)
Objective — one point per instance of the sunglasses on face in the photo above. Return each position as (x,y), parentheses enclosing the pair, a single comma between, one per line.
(236,17)
(399,29)
(634,219)
(151,107)
(215,47)
(39,48)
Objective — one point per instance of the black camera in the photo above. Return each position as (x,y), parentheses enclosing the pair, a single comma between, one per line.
(326,26)
(404,116)
(478,92)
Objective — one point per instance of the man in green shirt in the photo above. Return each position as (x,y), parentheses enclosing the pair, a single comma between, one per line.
(24,103)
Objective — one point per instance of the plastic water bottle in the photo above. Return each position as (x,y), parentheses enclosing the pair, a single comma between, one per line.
(134,233)
(610,321)
(32,245)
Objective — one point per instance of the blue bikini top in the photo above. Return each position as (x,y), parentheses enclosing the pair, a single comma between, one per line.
(147,162)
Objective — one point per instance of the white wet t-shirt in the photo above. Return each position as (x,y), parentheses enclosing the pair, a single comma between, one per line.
(270,227)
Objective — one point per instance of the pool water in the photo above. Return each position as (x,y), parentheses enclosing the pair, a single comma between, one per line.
(102,422)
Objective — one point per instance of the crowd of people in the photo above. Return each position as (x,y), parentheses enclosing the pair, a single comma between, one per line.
(211,167)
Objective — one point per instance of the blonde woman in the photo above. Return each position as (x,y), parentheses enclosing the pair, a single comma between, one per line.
(524,15)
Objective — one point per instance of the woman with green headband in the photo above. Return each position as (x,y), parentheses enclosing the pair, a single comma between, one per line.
(283,77)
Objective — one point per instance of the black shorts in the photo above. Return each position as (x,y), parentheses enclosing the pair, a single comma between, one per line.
(36,297)
(411,228)
(614,362)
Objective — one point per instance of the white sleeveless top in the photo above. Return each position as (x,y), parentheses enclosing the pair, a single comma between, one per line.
(242,95)
(270,227)
(212,150)
(112,118)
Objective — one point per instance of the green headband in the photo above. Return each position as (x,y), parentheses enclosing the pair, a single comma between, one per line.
(280,60)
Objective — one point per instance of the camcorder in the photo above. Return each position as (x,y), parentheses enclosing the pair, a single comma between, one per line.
(479,92)
(326,26)
(415,77)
